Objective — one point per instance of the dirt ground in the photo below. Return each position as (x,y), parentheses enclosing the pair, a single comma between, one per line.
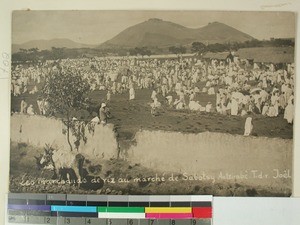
(117,177)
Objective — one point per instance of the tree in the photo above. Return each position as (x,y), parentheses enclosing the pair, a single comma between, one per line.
(58,53)
(198,47)
(177,50)
(140,51)
(33,50)
(66,92)
(217,47)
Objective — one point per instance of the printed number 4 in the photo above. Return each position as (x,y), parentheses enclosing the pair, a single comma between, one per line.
(88,221)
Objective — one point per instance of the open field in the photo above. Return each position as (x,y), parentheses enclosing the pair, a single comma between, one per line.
(130,116)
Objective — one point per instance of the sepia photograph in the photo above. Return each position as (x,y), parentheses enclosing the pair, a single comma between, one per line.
(152,102)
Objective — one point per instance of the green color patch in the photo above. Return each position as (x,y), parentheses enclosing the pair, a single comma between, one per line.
(121,209)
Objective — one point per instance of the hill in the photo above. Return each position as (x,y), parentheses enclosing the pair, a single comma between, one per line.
(158,33)
(48,44)
(221,33)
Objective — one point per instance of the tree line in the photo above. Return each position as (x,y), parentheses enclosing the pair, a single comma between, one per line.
(34,54)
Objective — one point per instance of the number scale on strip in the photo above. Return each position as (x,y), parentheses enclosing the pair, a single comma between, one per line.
(60,209)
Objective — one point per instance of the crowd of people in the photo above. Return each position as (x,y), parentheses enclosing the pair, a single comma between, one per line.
(238,88)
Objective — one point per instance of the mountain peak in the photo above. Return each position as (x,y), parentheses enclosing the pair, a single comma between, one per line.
(216,23)
(155,20)
(159,33)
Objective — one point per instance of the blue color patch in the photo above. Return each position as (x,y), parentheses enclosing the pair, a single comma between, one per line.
(59,208)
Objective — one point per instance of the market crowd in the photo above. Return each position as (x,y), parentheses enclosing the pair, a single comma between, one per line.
(239,87)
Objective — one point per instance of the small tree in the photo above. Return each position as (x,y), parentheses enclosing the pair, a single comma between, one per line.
(65,92)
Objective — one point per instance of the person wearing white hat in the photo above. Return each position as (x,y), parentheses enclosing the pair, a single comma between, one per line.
(102,113)
(30,110)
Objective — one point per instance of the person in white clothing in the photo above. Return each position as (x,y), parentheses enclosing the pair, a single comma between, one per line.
(234,107)
(248,126)
(169,99)
(289,112)
(208,107)
(23,107)
(30,110)
(131,93)
(153,95)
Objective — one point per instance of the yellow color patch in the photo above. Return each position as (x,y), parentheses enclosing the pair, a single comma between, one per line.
(168,210)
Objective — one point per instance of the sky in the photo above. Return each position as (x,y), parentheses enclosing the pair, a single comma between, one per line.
(96,27)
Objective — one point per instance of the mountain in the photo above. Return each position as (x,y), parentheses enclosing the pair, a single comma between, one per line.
(48,44)
(219,33)
(151,33)
(158,33)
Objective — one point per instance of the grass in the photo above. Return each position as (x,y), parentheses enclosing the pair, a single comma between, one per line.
(130,116)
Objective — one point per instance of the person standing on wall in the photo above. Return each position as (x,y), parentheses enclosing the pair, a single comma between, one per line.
(103,114)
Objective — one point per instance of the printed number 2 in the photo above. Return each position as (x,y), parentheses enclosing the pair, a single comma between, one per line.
(47,220)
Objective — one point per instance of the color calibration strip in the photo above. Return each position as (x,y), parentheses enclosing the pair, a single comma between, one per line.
(47,207)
